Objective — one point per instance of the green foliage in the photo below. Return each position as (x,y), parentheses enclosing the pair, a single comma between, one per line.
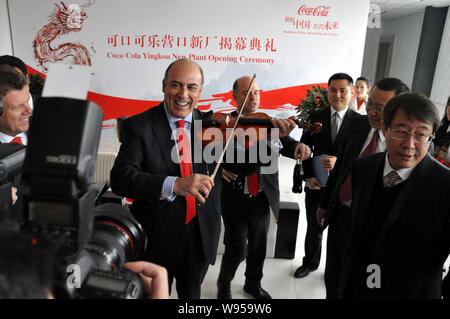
(36,84)
(316,99)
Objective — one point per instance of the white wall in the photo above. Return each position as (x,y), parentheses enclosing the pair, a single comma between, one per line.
(406,33)
(441,82)
(5,34)
(371,53)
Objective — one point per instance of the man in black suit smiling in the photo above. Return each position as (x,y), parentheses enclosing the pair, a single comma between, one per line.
(182,236)
(335,122)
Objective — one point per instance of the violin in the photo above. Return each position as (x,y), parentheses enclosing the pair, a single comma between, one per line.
(255,126)
(224,122)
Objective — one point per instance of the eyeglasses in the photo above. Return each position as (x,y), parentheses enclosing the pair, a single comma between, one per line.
(419,137)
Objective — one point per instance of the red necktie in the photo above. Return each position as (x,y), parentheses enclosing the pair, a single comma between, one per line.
(345,193)
(17,140)
(252,180)
(184,154)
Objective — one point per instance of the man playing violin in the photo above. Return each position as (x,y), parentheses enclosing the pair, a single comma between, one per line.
(247,200)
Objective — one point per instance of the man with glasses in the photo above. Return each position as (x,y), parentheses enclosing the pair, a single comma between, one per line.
(400,210)
(366,138)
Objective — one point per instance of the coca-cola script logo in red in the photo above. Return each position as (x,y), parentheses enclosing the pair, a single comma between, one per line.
(319,11)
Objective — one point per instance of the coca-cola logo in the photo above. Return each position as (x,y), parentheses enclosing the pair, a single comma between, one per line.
(319,11)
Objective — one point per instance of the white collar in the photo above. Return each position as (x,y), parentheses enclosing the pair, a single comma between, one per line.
(341,113)
(5,138)
(382,139)
(404,173)
(173,119)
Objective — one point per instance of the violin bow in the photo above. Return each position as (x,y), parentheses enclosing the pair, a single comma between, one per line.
(234,128)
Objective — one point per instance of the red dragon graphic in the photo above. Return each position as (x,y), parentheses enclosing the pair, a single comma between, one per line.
(63,20)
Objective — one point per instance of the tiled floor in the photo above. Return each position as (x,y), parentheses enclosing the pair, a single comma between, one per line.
(278,277)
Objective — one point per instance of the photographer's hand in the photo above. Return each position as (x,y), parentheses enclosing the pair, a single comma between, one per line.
(154,277)
(14,194)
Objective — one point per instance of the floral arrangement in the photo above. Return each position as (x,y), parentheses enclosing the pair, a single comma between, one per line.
(36,84)
(316,99)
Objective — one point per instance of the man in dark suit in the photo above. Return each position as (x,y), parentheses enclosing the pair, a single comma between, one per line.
(335,122)
(15,95)
(14,123)
(366,137)
(400,234)
(246,204)
(146,171)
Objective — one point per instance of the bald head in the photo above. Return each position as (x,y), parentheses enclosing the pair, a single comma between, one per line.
(240,89)
(183,61)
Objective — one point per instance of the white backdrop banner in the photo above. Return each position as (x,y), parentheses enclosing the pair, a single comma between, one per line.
(289,45)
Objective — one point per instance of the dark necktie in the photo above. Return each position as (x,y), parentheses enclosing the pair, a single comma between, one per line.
(184,154)
(334,126)
(391,179)
(345,193)
(17,140)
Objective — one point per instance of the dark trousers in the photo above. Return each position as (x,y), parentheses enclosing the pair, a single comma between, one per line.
(313,238)
(338,236)
(188,264)
(246,223)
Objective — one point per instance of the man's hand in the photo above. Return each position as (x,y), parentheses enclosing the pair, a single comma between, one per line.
(154,278)
(193,185)
(328,162)
(321,217)
(313,183)
(14,194)
(285,126)
(302,151)
(228,176)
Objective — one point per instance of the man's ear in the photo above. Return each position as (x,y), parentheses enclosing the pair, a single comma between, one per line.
(164,86)
(383,128)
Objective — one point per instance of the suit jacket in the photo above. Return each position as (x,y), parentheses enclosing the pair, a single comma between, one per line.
(414,239)
(320,143)
(349,152)
(143,162)
(268,182)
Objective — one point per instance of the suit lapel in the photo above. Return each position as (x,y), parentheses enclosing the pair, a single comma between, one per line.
(365,196)
(410,197)
(360,134)
(196,144)
(163,133)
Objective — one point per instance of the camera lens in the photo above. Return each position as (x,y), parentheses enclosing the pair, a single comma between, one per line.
(117,237)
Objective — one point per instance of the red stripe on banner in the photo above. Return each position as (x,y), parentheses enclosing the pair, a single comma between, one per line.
(115,107)
(275,99)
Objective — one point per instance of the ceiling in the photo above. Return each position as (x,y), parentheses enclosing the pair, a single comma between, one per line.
(392,9)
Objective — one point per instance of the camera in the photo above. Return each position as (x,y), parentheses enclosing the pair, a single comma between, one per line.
(91,243)
(11,161)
